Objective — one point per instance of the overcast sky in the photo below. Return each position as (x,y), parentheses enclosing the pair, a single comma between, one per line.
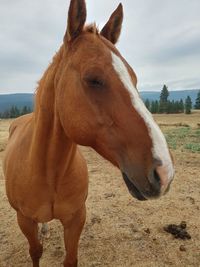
(160,40)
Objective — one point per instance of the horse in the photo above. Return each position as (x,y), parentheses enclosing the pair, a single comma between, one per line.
(87,96)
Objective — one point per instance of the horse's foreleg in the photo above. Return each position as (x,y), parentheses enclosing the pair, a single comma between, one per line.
(72,232)
(30,230)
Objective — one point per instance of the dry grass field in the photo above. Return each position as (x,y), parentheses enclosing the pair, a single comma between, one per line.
(121,231)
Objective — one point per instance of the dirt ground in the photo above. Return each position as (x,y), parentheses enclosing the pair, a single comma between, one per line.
(120,231)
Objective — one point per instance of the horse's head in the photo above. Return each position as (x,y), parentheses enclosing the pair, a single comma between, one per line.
(99,105)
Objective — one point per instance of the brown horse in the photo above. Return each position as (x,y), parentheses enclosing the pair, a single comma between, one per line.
(87,96)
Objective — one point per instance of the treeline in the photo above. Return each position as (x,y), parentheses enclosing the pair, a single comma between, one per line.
(15,112)
(163,105)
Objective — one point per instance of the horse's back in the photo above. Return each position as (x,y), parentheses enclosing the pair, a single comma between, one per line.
(20,121)
(20,134)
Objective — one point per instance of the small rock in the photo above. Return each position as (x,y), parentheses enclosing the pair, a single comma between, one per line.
(147,230)
(182,248)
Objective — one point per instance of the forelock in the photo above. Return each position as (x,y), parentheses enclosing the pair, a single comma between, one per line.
(92,28)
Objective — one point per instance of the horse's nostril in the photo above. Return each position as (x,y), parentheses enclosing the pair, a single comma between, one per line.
(154,184)
(156,176)
(155,180)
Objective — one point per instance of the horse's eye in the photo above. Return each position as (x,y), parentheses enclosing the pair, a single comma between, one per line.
(95,82)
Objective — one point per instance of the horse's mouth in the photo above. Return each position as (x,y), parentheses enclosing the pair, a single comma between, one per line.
(132,188)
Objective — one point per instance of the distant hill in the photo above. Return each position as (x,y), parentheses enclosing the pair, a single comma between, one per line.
(173,95)
(20,100)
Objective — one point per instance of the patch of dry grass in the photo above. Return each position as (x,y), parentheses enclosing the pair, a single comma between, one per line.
(193,120)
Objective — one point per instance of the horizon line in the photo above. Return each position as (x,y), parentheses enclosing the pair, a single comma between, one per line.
(145,91)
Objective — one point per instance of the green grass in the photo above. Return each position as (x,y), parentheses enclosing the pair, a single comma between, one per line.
(183,138)
(193,147)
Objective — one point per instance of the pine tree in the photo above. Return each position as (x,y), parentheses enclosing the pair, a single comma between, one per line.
(188,105)
(169,107)
(12,112)
(156,106)
(153,110)
(176,107)
(164,100)
(172,107)
(24,110)
(181,106)
(197,101)
(17,112)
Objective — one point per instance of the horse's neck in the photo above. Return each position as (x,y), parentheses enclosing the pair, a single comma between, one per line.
(51,149)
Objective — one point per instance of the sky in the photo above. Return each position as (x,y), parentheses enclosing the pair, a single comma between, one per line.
(159,39)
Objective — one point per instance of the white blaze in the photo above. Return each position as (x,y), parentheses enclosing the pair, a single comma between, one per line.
(159,149)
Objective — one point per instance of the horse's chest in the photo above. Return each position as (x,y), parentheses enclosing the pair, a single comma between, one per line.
(43,202)
(44,210)
(35,203)
(39,212)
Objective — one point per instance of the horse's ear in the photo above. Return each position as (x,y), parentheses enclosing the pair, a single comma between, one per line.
(76,19)
(112,29)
